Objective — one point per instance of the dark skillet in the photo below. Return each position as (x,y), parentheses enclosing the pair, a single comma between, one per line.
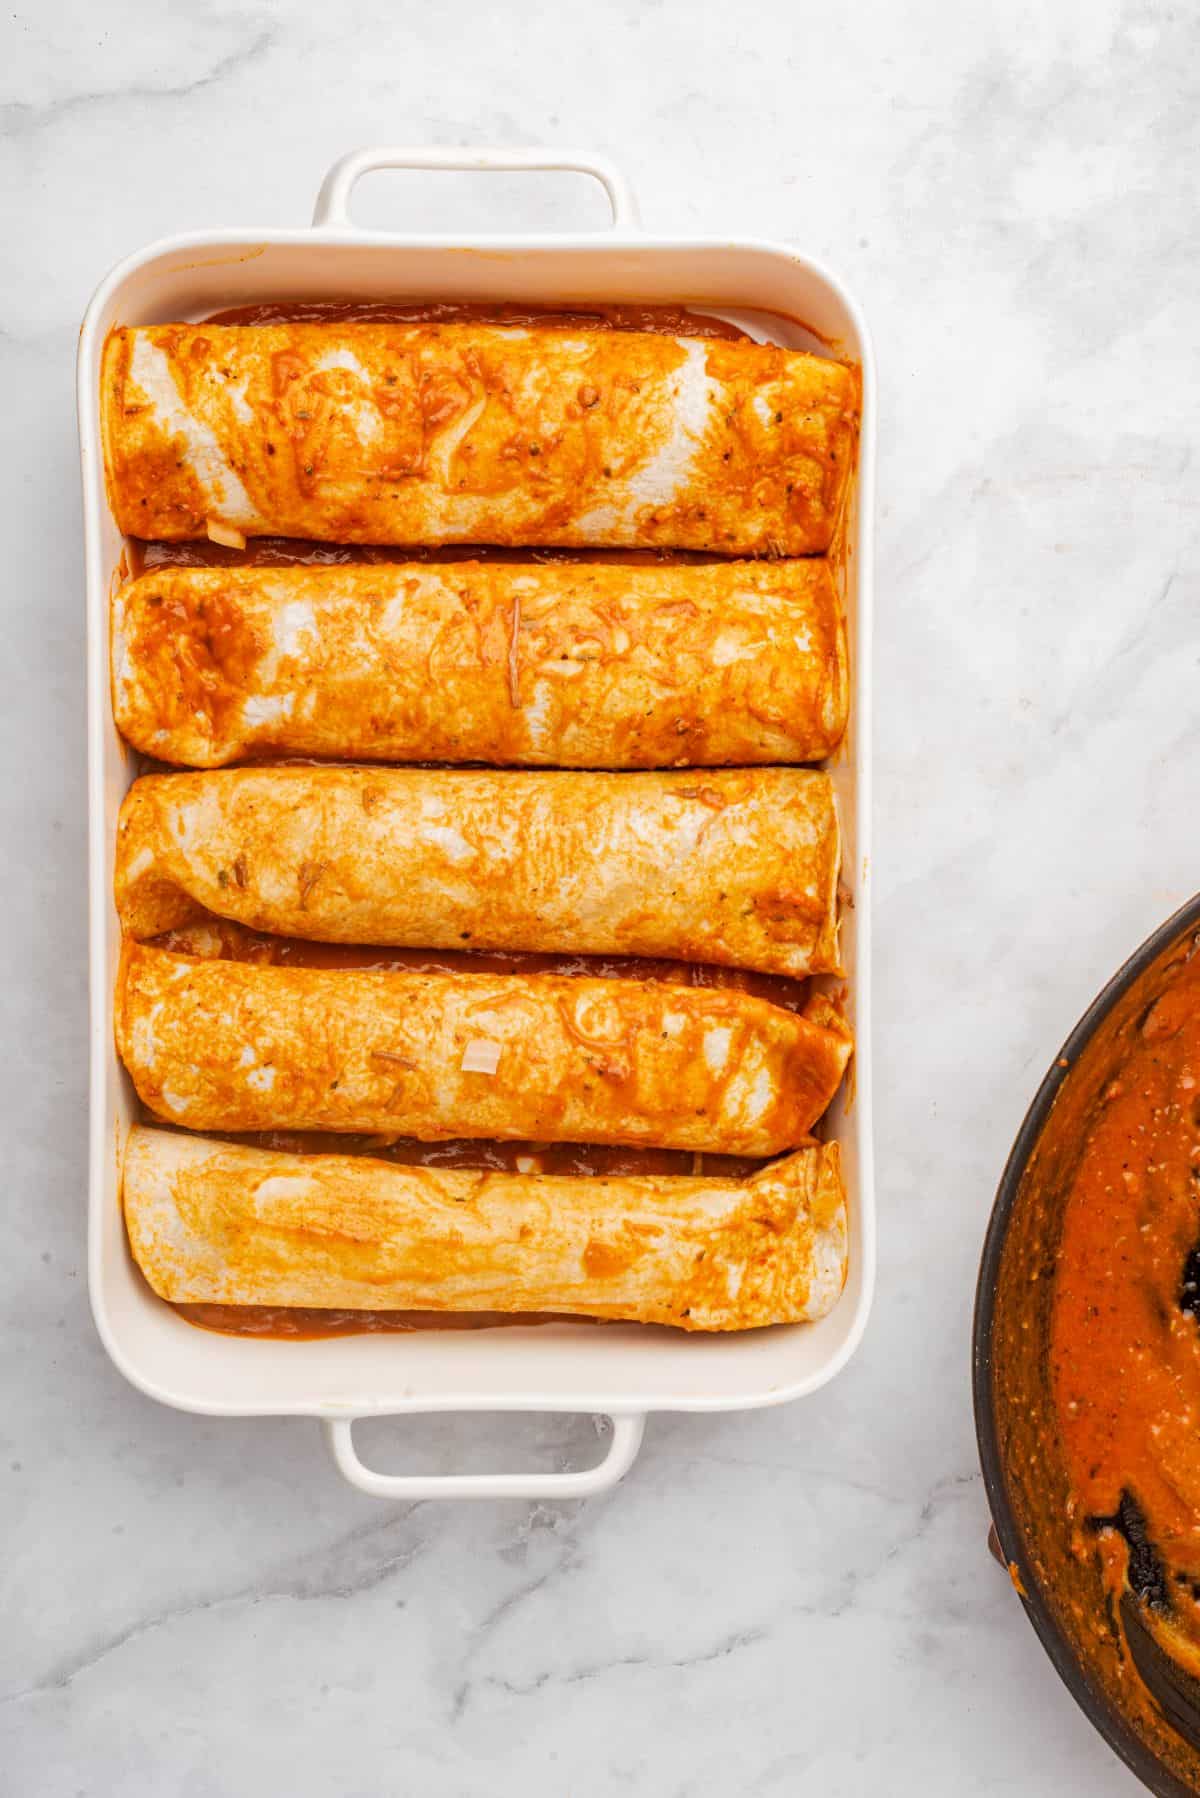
(1145,1705)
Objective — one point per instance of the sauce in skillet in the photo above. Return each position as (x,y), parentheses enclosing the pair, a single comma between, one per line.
(1125,1321)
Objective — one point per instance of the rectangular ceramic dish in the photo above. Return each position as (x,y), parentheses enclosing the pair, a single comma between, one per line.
(622,1371)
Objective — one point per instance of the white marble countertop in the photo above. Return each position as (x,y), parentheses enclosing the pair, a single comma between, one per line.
(794,1600)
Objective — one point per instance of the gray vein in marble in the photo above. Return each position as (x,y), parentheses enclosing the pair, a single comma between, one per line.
(1112,677)
(574,1676)
(322,1575)
(852,1583)
(20,121)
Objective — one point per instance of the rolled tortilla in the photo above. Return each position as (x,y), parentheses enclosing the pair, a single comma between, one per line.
(210,1223)
(472,433)
(574,665)
(732,866)
(221,1045)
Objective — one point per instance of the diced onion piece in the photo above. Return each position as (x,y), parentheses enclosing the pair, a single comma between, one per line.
(481,1056)
(224,533)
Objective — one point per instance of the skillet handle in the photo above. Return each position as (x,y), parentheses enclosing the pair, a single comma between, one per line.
(332,210)
(622,1452)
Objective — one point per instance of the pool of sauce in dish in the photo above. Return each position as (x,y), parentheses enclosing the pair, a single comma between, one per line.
(313,1326)
(671,321)
(285,552)
(1125,1318)
(234,943)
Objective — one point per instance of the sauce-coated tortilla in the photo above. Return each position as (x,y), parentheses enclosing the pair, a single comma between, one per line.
(221,1045)
(212,1223)
(574,665)
(472,433)
(735,866)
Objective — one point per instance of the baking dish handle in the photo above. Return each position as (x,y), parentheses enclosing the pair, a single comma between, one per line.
(332,209)
(623,1446)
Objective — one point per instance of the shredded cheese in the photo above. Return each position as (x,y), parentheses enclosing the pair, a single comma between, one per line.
(514,653)
(480,1056)
(224,533)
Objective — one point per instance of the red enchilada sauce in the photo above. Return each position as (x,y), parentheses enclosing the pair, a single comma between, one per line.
(1125,1319)
(230,942)
(671,321)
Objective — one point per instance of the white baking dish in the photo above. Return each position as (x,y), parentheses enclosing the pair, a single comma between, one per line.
(624,1372)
